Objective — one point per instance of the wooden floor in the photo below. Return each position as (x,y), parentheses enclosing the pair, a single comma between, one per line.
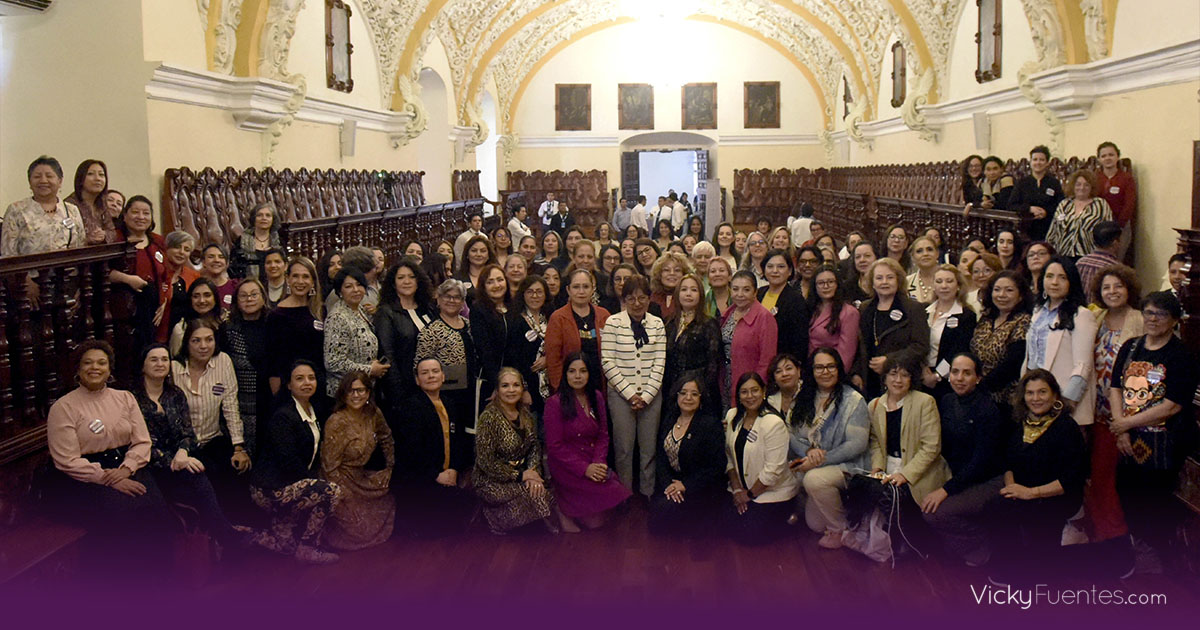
(623,563)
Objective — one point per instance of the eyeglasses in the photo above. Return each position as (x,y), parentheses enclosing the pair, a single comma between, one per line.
(246,296)
(1155,315)
(808,261)
(817,369)
(756,242)
(452,297)
(359,391)
(641,297)
(826,283)
(897,237)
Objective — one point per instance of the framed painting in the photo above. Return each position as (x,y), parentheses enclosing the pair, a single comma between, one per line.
(700,106)
(337,46)
(761,104)
(635,106)
(573,106)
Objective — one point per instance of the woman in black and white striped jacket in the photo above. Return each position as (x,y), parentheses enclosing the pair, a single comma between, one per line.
(633,351)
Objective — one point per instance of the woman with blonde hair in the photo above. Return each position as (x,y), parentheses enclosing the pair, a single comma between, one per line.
(296,326)
(893,326)
(665,275)
(951,328)
(924,255)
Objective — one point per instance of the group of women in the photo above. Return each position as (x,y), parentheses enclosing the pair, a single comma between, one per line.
(548,380)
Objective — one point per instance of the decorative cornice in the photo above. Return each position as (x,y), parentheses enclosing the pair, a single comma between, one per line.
(763,140)
(572,141)
(256,103)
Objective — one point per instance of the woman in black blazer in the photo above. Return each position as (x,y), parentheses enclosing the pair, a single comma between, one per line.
(892,326)
(526,347)
(403,312)
(951,327)
(694,341)
(284,481)
(690,482)
(786,303)
(429,499)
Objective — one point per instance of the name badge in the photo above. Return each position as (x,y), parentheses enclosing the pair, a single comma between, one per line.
(1050,192)
(1114,190)
(774,310)
(896,315)
(952,322)
(751,436)
(530,335)
(229,299)
(318,324)
(218,390)
(96,426)
(69,224)
(158,257)
(1154,375)
(943,368)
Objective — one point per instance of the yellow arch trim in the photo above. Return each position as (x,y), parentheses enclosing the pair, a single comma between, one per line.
(778,47)
(840,46)
(1070,18)
(249,35)
(473,86)
(408,57)
(918,39)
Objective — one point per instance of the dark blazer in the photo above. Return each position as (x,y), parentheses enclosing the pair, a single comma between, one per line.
(398,344)
(489,328)
(420,450)
(559,223)
(792,313)
(907,341)
(1028,192)
(698,348)
(285,447)
(957,339)
(702,457)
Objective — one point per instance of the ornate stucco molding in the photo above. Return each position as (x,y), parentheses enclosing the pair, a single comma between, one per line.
(272,64)
(1034,95)
(225,36)
(410,93)
(1046,30)
(508,144)
(918,97)
(853,120)
(1095,28)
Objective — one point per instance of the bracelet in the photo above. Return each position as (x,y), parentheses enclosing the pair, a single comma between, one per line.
(741,490)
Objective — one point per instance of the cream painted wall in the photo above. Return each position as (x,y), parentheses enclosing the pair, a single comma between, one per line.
(1143,25)
(619,55)
(56,101)
(1015,50)
(307,57)
(173,33)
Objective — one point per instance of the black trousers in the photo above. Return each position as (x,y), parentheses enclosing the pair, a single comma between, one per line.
(1027,536)
(690,518)
(762,523)
(195,490)
(232,489)
(1147,498)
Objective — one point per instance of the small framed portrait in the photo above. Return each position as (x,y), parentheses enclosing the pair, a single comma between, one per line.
(573,106)
(700,106)
(761,101)
(635,106)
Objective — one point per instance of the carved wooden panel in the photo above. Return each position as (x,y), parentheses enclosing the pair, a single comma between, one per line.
(586,194)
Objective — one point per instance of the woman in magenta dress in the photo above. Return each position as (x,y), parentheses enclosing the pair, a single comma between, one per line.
(576,423)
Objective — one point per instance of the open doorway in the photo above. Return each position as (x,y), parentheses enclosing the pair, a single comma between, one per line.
(662,171)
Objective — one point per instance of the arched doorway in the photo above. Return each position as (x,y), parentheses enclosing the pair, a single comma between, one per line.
(655,162)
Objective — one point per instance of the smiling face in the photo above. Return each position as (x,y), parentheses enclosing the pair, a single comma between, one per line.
(1055,282)
(274,265)
(724,236)
(577,375)
(975,168)
(1114,292)
(215,262)
(1159,322)
(496,286)
(415,252)
(550,246)
(450,303)
(884,281)
(611,259)
(509,389)
(751,395)
(157,364)
(781,240)
(757,245)
(358,395)
(138,218)
(581,289)
(742,292)
(688,398)
(636,304)
(553,280)
(992,171)
(478,254)
(335,265)
(646,255)
(701,260)
(527,249)
(44,182)
(672,273)
(925,253)
(899,382)
(825,373)
(718,273)
(94,369)
(515,270)
(826,284)
(179,255)
(501,238)
(95,180)
(864,257)
(445,249)
(807,263)
(1176,274)
(406,282)
(775,270)
(945,285)
(739,242)
(1005,295)
(535,297)
(787,375)
(113,203)
(585,256)
(1038,163)
(1082,188)
(299,280)
(627,250)
(1039,398)
(203,300)
(981,272)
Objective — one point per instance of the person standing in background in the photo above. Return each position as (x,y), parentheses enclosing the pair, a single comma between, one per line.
(547,210)
(1119,189)
(621,216)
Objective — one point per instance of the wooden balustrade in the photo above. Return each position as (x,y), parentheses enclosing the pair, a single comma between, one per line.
(586,194)
(465,185)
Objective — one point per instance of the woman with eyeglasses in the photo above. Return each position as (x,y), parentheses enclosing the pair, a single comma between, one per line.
(448,339)
(834,323)
(756,253)
(808,258)
(245,339)
(358,454)
(896,246)
(526,347)
(690,465)
(1037,255)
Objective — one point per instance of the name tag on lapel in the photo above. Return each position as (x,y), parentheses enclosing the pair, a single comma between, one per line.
(896,315)
(751,436)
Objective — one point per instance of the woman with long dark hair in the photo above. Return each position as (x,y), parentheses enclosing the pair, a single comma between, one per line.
(999,339)
(91,182)
(972,177)
(577,449)
(245,339)
(829,430)
(526,346)
(760,483)
(489,325)
(834,323)
(1062,338)
(694,341)
(403,313)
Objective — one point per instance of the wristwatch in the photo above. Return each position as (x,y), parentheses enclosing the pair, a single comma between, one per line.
(750,493)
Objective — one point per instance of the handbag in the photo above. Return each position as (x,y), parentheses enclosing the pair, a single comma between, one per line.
(873,510)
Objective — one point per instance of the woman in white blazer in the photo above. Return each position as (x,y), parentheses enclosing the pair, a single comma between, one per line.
(760,483)
(633,352)
(1062,337)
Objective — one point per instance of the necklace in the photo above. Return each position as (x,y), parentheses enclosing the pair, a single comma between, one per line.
(1034,426)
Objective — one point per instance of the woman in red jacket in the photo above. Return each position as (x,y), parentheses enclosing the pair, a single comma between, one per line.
(575,327)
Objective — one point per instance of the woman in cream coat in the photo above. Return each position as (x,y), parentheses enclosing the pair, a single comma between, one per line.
(919,463)
(1062,338)
(760,483)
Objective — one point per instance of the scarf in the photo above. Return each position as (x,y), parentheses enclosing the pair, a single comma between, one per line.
(640,336)
(1034,426)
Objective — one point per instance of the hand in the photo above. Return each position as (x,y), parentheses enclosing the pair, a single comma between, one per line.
(1038,212)
(135,282)
(857,381)
(378,369)
(987,203)
(636,402)
(539,365)
(240,460)
(967,210)
(816,456)
(675,491)
(929,378)
(113,475)
(596,472)
(741,500)
(158,314)
(182,461)
(876,364)
(369,308)
(1125,444)
(448,478)
(535,487)
(525,398)
(129,487)
(95,235)
(800,464)
(897,479)
(933,500)
(1016,491)
(1119,426)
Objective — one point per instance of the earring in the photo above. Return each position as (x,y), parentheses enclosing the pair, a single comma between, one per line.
(312,291)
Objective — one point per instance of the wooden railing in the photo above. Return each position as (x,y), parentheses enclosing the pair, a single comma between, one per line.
(465,185)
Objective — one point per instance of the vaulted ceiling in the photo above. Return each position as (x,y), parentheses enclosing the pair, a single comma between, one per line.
(507,41)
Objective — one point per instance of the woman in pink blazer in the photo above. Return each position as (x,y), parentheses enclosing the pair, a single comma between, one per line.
(1062,338)
(749,334)
(823,330)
